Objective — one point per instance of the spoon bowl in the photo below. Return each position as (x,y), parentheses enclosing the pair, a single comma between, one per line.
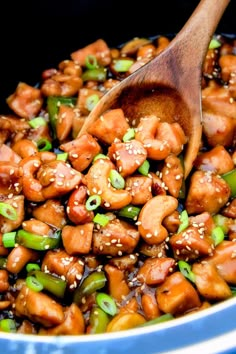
(169,86)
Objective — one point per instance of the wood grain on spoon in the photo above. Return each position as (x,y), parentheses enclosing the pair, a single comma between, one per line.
(169,86)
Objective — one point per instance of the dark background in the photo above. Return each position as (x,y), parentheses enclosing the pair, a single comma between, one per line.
(37,35)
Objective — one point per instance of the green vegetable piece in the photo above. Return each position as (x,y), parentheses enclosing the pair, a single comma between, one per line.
(97,74)
(93,202)
(122,65)
(160,319)
(106,303)
(217,235)
(214,44)
(230,178)
(33,283)
(3,262)
(8,325)
(37,122)
(129,211)
(116,179)
(53,103)
(184,221)
(100,156)
(8,239)
(101,219)
(62,156)
(222,221)
(129,135)
(8,211)
(38,242)
(98,320)
(93,282)
(44,145)
(32,266)
(91,62)
(186,270)
(54,284)
(233,289)
(144,168)
(91,102)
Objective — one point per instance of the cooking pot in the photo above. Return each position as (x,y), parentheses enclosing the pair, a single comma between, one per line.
(45,33)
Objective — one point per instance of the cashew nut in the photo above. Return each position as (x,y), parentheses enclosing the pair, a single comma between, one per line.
(25,148)
(151,217)
(157,149)
(98,183)
(32,188)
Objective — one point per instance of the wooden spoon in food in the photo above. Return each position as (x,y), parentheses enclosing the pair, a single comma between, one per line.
(169,86)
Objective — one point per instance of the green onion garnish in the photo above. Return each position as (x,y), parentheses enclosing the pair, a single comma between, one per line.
(33,283)
(129,211)
(214,44)
(101,219)
(129,135)
(8,325)
(100,156)
(91,62)
(160,319)
(230,178)
(8,211)
(8,239)
(62,156)
(186,270)
(144,168)
(184,221)
(106,303)
(38,242)
(93,202)
(32,266)
(44,145)
(37,122)
(97,74)
(122,65)
(217,235)
(52,283)
(91,102)
(116,179)
(98,320)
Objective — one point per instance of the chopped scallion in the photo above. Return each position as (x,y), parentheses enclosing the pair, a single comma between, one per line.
(91,62)
(186,270)
(116,179)
(184,221)
(214,44)
(93,202)
(33,283)
(101,219)
(44,145)
(8,239)
(129,135)
(106,303)
(100,156)
(8,211)
(32,266)
(129,211)
(8,325)
(122,65)
(91,102)
(217,235)
(37,122)
(144,168)
(62,156)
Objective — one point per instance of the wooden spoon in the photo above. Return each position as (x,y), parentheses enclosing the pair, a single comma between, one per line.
(169,86)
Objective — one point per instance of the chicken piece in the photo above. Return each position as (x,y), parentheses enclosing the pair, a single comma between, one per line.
(173,175)
(52,212)
(4,280)
(140,188)
(10,178)
(155,270)
(18,203)
(99,49)
(209,282)
(116,238)
(77,239)
(38,307)
(117,285)
(207,192)
(177,295)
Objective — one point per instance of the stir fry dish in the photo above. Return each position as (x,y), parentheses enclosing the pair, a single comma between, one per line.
(101,232)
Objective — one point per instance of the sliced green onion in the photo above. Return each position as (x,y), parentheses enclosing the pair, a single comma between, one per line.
(106,303)
(122,65)
(129,211)
(214,44)
(52,283)
(91,62)
(98,320)
(32,266)
(144,168)
(217,235)
(222,221)
(116,179)
(100,156)
(93,202)
(160,319)
(233,289)
(91,102)
(230,178)
(38,242)
(101,219)
(184,221)
(8,211)
(93,282)
(44,145)
(186,270)
(33,283)
(129,135)
(98,74)
(62,156)
(37,122)
(9,239)
(3,262)
(8,325)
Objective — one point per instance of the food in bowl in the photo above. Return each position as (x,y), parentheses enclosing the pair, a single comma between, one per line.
(101,232)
